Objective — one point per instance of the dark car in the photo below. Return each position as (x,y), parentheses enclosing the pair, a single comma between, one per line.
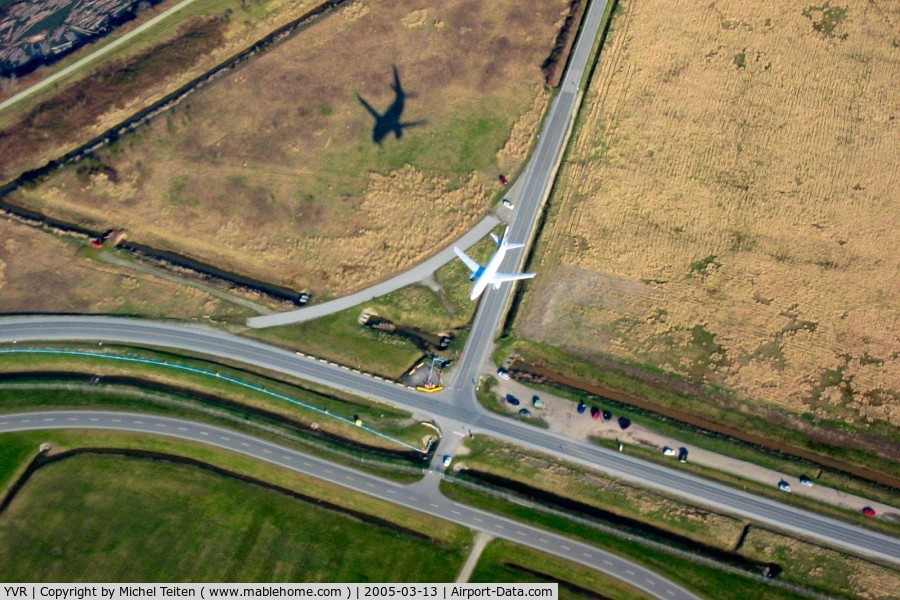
(624,423)
(503,180)
(595,412)
(524,412)
(537,402)
(512,400)
(581,408)
(869,511)
(682,454)
(607,415)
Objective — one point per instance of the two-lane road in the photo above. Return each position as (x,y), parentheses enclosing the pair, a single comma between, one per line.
(416,497)
(230,347)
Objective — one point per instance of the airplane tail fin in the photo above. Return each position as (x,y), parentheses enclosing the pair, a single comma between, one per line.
(513,246)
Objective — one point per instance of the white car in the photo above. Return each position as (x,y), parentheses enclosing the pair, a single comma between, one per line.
(784,486)
(503,374)
(508,204)
(447,460)
(669,451)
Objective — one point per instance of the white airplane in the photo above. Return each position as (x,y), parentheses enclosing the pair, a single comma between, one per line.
(482,276)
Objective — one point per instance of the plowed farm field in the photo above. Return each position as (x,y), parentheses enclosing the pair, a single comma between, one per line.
(275,172)
(729,211)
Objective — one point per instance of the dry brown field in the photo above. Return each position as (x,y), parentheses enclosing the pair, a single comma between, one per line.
(45,273)
(273,172)
(729,209)
(135,75)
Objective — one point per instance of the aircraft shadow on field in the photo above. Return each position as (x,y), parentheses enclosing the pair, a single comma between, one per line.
(390,121)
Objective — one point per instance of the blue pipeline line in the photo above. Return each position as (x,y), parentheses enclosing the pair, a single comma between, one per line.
(218,376)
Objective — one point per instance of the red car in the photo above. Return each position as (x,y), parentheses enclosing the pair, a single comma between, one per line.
(869,511)
(503,180)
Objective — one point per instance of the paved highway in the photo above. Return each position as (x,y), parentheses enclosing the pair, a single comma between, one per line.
(223,345)
(423,498)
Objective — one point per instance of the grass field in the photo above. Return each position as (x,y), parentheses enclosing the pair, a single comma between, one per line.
(706,580)
(511,563)
(40,272)
(273,171)
(122,519)
(804,564)
(727,214)
(62,440)
(591,488)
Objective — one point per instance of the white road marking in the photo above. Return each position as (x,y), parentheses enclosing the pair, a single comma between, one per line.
(629,571)
(565,547)
(182,429)
(203,433)
(455,512)
(267,451)
(49,420)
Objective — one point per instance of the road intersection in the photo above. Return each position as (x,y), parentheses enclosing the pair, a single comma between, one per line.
(455,409)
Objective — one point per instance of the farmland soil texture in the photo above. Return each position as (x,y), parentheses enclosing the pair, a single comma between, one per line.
(728,211)
(279,170)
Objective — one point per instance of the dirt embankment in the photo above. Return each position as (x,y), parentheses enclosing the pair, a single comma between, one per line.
(542,373)
(555,64)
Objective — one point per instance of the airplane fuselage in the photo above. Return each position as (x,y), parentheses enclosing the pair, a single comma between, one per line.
(484,276)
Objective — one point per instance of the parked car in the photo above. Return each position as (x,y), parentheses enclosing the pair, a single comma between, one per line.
(524,412)
(503,374)
(512,400)
(682,454)
(537,402)
(804,480)
(669,451)
(508,204)
(869,511)
(595,412)
(784,486)
(447,460)
(503,179)
(581,408)
(607,415)
(624,423)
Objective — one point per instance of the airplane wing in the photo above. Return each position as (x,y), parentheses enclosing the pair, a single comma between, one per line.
(369,108)
(505,277)
(473,266)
